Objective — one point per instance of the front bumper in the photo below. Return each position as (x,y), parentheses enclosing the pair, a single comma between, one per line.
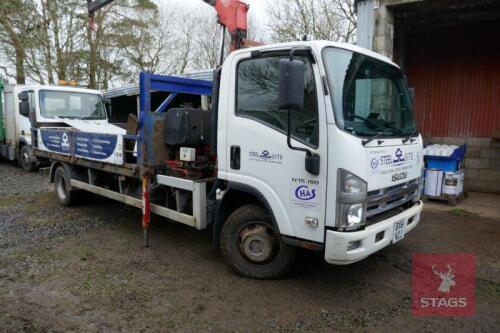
(336,243)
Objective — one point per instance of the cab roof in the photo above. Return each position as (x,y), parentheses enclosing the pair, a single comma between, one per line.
(319,45)
(60,88)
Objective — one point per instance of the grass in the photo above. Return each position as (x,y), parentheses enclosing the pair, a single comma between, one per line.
(460,212)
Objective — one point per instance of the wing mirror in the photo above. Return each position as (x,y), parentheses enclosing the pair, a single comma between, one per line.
(291,85)
(24,105)
(291,98)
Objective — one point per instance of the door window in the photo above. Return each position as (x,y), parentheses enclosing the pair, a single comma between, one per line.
(257,98)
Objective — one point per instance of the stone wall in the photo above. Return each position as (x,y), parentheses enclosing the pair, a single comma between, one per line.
(482,162)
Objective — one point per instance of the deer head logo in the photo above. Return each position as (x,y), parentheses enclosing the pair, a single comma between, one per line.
(447,280)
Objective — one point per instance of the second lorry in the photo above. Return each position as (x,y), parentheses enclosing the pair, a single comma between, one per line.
(52,106)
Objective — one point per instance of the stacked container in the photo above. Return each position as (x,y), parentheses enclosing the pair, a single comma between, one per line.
(444,177)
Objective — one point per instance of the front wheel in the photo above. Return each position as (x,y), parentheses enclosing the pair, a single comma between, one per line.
(25,159)
(252,247)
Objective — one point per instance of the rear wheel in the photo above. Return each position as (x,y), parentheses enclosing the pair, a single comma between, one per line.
(62,187)
(25,159)
(252,247)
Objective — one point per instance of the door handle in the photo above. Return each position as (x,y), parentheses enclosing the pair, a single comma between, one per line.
(235,157)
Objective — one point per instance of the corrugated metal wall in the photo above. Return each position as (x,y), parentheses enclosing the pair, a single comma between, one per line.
(456,74)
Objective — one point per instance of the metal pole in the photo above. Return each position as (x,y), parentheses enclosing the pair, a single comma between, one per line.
(146,209)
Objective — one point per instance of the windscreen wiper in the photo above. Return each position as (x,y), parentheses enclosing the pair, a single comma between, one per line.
(376,136)
(409,137)
(92,118)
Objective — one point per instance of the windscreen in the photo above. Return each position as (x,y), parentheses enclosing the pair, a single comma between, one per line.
(369,96)
(69,104)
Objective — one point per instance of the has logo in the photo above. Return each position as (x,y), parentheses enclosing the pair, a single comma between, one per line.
(444,284)
(305,193)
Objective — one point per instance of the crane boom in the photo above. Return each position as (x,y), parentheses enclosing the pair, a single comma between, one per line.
(232,14)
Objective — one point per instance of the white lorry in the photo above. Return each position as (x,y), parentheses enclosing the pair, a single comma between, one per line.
(50,106)
(311,144)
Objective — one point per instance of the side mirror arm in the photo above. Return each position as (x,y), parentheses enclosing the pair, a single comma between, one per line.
(312,159)
(289,136)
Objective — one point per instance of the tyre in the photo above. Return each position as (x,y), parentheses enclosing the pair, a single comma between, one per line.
(24,159)
(62,187)
(252,247)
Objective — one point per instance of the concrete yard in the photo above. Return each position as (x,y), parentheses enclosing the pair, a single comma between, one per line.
(84,269)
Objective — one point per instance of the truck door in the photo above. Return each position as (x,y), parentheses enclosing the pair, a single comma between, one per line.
(257,154)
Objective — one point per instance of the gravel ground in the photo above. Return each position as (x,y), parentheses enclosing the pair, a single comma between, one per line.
(84,269)
(13,181)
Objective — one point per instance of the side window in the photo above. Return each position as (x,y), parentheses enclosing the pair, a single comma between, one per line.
(257,98)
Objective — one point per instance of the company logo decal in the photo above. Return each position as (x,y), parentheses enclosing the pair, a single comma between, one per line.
(399,156)
(225,2)
(102,147)
(266,156)
(444,284)
(64,140)
(393,162)
(303,192)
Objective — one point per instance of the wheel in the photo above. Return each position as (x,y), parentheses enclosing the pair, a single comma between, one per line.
(252,247)
(62,187)
(25,160)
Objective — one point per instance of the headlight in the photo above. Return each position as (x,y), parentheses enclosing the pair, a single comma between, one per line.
(355,214)
(351,201)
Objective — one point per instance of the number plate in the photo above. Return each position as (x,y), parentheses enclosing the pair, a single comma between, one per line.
(398,231)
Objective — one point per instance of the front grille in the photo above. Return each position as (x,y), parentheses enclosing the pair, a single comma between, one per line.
(391,199)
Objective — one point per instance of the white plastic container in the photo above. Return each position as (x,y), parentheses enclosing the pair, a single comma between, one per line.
(433,182)
(453,182)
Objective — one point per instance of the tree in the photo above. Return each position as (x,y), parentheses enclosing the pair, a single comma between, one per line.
(15,31)
(291,20)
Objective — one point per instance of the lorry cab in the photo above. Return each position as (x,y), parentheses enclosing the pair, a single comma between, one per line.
(47,106)
(346,176)
(53,103)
